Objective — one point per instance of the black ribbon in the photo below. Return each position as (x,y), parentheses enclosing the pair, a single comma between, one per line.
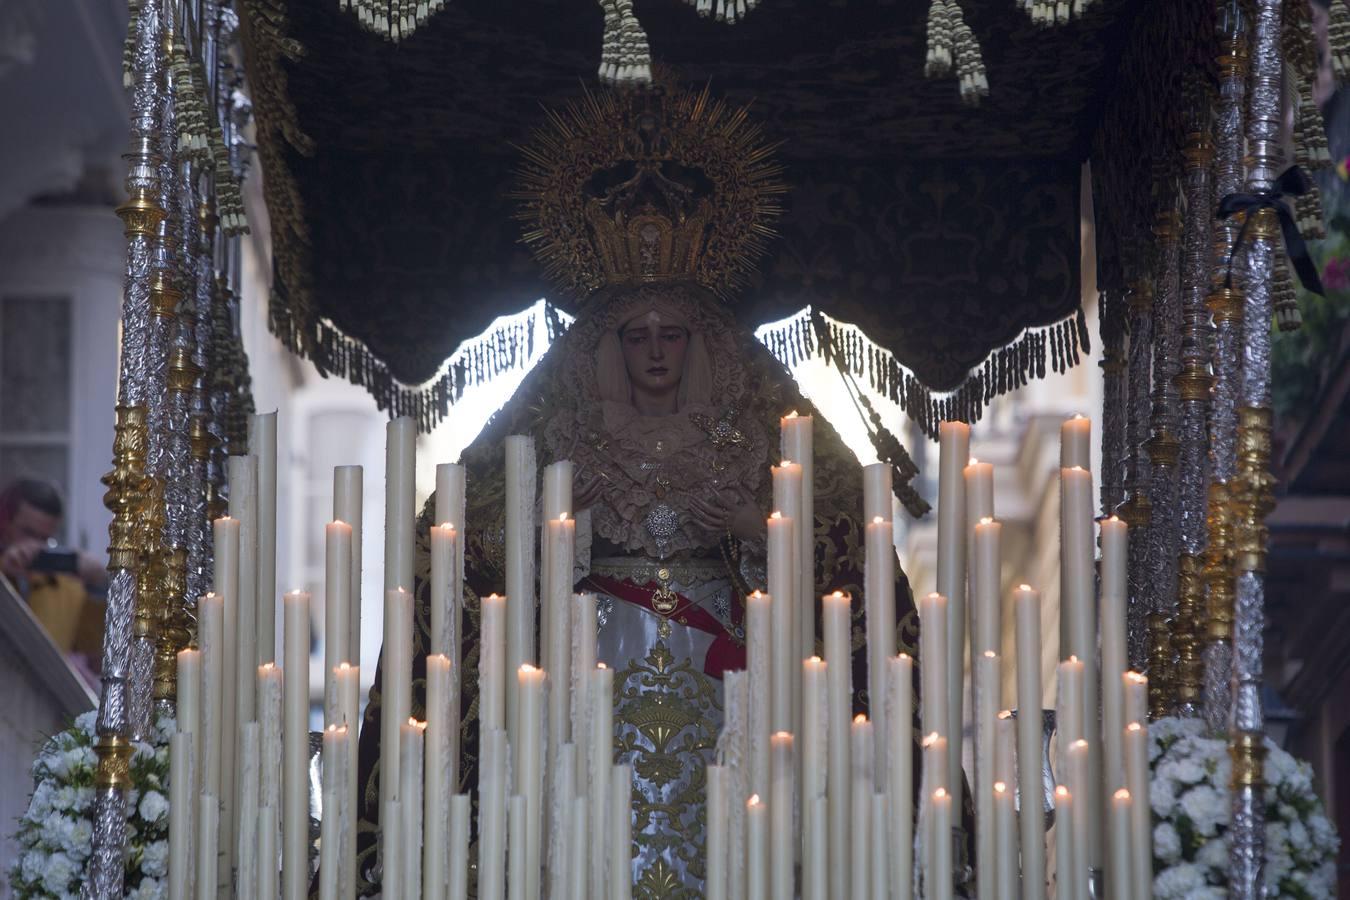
(1293,182)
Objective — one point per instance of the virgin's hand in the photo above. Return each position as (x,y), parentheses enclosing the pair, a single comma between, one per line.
(735,513)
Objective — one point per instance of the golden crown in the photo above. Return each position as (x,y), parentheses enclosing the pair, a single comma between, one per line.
(624,188)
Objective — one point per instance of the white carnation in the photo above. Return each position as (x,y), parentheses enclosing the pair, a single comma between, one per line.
(1213,855)
(155,859)
(1206,808)
(86,721)
(60,871)
(33,864)
(1179,881)
(153,806)
(1166,843)
(1162,797)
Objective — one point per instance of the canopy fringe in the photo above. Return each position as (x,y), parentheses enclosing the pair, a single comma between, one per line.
(508,347)
(1057,346)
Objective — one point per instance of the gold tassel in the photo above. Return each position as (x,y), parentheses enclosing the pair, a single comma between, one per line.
(940,47)
(969,62)
(1338,38)
(1314,128)
(1287,315)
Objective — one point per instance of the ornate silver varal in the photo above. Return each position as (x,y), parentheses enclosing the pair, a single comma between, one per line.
(1137,508)
(1225,303)
(1253,487)
(1193,384)
(1115,391)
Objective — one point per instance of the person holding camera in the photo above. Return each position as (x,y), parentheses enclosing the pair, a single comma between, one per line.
(60,584)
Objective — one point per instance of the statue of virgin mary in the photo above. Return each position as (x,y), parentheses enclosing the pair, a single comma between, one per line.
(648,210)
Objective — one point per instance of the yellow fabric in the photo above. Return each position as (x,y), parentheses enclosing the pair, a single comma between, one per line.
(59,602)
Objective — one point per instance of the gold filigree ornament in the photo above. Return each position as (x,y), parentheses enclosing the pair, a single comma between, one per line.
(652,185)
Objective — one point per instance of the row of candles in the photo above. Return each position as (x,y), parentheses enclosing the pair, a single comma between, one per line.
(846,810)
(546,734)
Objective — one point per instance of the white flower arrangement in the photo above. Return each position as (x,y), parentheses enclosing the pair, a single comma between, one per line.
(55,835)
(1188,794)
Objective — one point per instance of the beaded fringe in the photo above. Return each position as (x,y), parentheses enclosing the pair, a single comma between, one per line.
(1058,346)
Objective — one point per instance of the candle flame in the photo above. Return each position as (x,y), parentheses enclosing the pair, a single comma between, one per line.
(986,520)
(973,462)
(904,656)
(562,517)
(878,520)
(1113,518)
(756,594)
(860,719)
(412,720)
(931,739)
(1136,678)
(527,669)
(267,666)
(338,522)
(1000,787)
(939,794)
(753,801)
(1077,416)
(1134,726)
(785,463)
(990,654)
(791,415)
(1061,791)
(342,667)
(775,515)
(1077,469)
(1071,659)
(1081,742)
(450,525)
(780,735)
(1005,714)
(601,665)
(814,660)
(837,595)
(1024,587)
(1122,794)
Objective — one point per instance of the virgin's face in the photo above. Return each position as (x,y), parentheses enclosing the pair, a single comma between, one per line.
(653,353)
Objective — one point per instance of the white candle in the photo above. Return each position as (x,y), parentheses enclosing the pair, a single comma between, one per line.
(1066,861)
(1114,661)
(332,824)
(1075,443)
(1141,825)
(1079,597)
(839,706)
(444,584)
(979,478)
(210,742)
(815,726)
(440,777)
(1079,785)
(411,742)
(900,780)
(1031,820)
(450,493)
(860,826)
(530,775)
(1005,748)
(987,692)
(226,536)
(715,846)
(1136,697)
(457,887)
(877,492)
(815,874)
(492,663)
(208,847)
(986,613)
(520,541)
(934,750)
(561,790)
(347,687)
(758,641)
(578,866)
(621,833)
(188,684)
(756,850)
(251,646)
(780,816)
(295,749)
(601,690)
(879,586)
(953,540)
(516,854)
(584,629)
(1005,844)
(1069,715)
(347,507)
(880,876)
(337,595)
(262,442)
(798,445)
(561,541)
(267,852)
(933,661)
(247,803)
(492,816)
(180,814)
(1121,811)
(941,843)
(400,502)
(782,586)
(397,685)
(271,749)
(391,835)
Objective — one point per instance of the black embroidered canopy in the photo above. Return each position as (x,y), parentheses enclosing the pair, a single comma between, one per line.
(946,232)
